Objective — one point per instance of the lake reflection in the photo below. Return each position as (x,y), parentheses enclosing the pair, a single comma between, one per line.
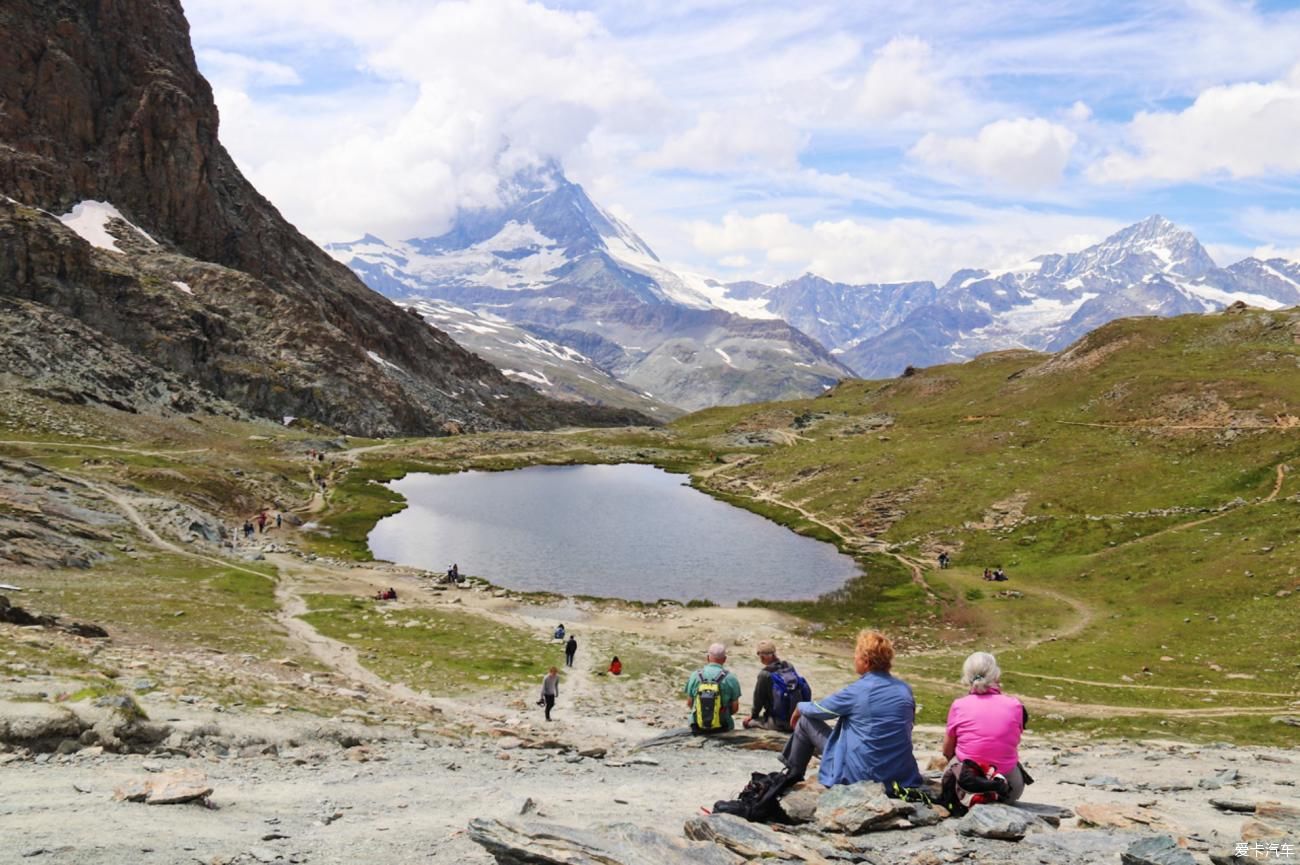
(625,531)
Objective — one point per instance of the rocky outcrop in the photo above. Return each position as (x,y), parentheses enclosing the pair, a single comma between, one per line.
(103,101)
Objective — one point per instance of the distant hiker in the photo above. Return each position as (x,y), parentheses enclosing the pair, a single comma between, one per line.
(777,691)
(570,649)
(320,456)
(392,594)
(559,633)
(550,690)
(453,573)
(279,519)
(616,667)
(872,740)
(943,561)
(984,729)
(261,522)
(713,694)
(999,575)
(988,575)
(248,529)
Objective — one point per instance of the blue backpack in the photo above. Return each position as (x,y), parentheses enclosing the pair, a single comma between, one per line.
(788,690)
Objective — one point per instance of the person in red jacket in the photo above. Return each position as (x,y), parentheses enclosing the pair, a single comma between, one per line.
(616,667)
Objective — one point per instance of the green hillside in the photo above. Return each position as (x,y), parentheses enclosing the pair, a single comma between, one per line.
(1136,488)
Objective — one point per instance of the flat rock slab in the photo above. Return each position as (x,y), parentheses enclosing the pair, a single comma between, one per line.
(168,788)
(1111,816)
(1081,845)
(535,843)
(750,840)
(1156,850)
(998,821)
(860,807)
(1286,816)
(1052,814)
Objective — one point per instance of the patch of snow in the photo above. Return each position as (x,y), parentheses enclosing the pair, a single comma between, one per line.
(89,220)
(379,360)
(537,377)
(725,357)
(183,286)
(1217,298)
(289,419)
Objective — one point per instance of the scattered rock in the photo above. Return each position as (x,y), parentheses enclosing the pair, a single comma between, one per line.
(998,821)
(1233,805)
(534,843)
(860,807)
(168,788)
(1156,850)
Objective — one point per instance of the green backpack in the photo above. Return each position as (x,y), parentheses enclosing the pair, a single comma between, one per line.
(706,715)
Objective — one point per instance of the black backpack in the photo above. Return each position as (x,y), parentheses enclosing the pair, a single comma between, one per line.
(760,801)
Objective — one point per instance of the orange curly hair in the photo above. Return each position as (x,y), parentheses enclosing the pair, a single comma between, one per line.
(875,650)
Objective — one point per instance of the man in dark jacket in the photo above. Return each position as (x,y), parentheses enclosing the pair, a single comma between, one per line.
(570,649)
(765,714)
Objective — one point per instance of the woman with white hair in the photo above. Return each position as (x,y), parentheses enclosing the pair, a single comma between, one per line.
(985,726)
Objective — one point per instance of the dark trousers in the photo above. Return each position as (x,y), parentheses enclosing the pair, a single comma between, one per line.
(550,704)
(568,658)
(809,738)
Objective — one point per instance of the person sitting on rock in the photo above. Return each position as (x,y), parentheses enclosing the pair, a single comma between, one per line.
(872,740)
(776,692)
(713,694)
(559,632)
(985,726)
(616,667)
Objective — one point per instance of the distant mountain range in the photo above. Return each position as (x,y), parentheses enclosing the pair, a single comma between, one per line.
(561,294)
(548,260)
(1150,268)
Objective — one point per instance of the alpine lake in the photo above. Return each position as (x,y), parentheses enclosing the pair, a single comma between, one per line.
(617,531)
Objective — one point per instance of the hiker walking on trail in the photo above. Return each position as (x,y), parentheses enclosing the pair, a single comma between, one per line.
(777,691)
(872,740)
(713,694)
(570,649)
(550,690)
(984,728)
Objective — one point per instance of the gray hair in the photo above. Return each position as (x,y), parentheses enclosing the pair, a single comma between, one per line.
(981,672)
(717,652)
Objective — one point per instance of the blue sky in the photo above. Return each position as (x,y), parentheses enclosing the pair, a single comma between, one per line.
(864,141)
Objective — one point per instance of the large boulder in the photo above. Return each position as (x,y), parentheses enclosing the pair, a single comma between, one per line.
(860,807)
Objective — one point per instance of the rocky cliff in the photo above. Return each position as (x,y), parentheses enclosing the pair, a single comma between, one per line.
(102,101)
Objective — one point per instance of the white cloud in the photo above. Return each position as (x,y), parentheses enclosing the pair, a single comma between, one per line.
(1235,130)
(734,141)
(226,69)
(890,250)
(1024,154)
(902,81)
(457,93)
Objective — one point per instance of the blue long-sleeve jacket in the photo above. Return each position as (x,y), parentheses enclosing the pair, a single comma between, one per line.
(873,739)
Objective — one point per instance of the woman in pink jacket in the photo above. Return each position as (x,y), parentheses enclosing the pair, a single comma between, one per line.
(985,726)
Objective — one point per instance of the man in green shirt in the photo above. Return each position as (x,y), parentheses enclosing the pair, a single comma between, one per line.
(713,694)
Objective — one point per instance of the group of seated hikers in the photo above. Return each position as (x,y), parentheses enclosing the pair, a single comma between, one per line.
(872,736)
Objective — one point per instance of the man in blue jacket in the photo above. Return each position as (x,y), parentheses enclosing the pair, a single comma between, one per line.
(872,740)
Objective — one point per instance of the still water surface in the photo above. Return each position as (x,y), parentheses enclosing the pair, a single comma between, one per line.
(625,531)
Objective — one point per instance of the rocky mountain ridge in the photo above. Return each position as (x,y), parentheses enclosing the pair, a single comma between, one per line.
(104,104)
